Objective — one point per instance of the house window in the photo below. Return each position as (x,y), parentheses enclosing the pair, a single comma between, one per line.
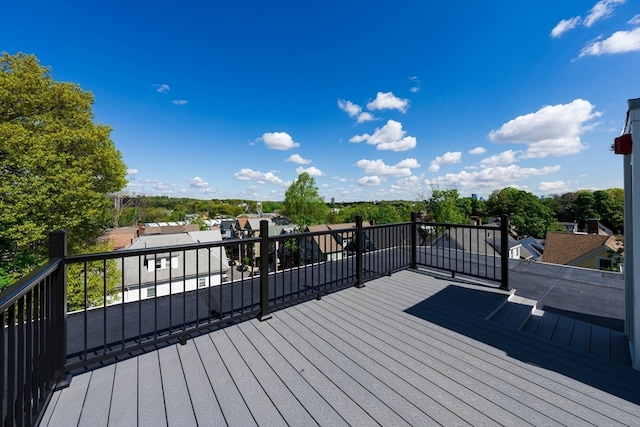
(202,282)
(151,292)
(160,262)
(605,263)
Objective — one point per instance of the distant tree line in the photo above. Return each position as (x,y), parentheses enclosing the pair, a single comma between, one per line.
(529,214)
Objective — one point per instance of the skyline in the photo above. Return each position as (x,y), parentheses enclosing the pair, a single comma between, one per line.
(375,101)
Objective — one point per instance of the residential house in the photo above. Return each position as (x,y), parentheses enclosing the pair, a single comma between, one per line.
(534,246)
(172,272)
(480,242)
(228,229)
(596,251)
(119,237)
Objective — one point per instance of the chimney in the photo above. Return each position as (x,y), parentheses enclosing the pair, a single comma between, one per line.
(593,226)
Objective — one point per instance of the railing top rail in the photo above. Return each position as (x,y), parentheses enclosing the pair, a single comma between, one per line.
(13,293)
(454,225)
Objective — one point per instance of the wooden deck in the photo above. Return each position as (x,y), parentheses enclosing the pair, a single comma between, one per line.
(407,349)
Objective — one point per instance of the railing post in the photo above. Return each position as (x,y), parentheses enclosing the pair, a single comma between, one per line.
(58,250)
(504,253)
(264,271)
(359,247)
(414,240)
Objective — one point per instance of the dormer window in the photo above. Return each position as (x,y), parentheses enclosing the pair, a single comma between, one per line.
(160,262)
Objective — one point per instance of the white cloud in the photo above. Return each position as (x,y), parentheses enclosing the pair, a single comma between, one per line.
(448,158)
(477,150)
(162,88)
(554,130)
(313,171)
(278,141)
(370,181)
(504,158)
(198,182)
(354,110)
(552,187)
(635,20)
(489,179)
(132,172)
(389,137)
(388,101)
(415,81)
(618,42)
(180,102)
(378,167)
(249,174)
(600,10)
(297,158)
(411,184)
(564,26)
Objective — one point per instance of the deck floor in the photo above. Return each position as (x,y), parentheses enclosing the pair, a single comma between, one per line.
(408,349)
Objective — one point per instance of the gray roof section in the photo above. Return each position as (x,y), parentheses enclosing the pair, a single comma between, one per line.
(189,264)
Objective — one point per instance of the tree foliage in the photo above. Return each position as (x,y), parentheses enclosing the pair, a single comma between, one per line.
(527,213)
(57,165)
(446,206)
(302,202)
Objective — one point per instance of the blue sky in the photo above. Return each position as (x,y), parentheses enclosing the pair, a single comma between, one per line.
(376,100)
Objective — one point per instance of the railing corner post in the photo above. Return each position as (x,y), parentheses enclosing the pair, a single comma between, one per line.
(359,251)
(414,240)
(58,250)
(504,253)
(264,271)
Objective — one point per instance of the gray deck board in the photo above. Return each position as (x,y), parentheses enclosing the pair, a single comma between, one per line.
(280,364)
(204,401)
(231,402)
(408,349)
(124,403)
(95,411)
(575,390)
(288,406)
(619,348)
(151,407)
(581,337)
(547,326)
(69,403)
(261,407)
(491,381)
(562,332)
(396,393)
(304,340)
(275,331)
(176,394)
(600,341)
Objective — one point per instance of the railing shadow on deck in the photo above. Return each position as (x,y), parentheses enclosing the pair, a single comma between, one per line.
(447,308)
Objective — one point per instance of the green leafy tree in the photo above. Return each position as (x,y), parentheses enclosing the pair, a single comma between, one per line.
(57,166)
(102,280)
(527,213)
(445,206)
(583,207)
(303,204)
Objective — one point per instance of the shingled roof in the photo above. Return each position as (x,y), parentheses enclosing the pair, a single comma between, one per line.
(562,248)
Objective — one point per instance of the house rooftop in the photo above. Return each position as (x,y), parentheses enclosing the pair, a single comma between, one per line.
(407,349)
(561,248)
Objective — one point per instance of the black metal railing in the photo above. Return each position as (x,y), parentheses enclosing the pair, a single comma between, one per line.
(82,310)
(476,251)
(32,314)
